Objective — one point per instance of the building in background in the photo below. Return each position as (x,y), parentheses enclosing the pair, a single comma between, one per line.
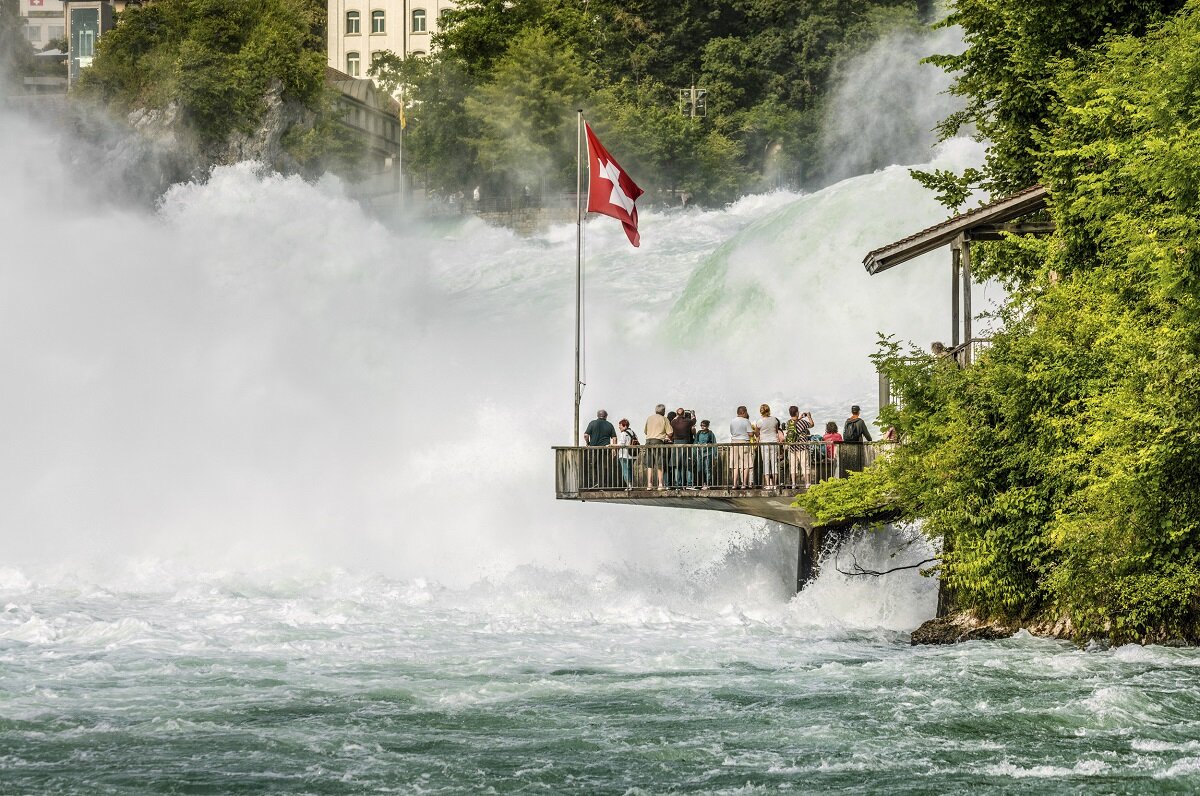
(360,28)
(44,22)
(85,22)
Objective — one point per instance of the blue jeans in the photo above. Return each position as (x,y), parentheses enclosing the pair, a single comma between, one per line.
(627,471)
(682,471)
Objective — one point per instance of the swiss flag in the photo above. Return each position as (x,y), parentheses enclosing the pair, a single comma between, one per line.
(610,190)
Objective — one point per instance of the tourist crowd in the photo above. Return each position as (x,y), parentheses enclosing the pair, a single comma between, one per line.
(792,443)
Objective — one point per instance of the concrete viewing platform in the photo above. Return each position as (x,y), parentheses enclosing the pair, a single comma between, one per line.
(704,476)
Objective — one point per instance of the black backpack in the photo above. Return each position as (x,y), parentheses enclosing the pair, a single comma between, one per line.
(853,430)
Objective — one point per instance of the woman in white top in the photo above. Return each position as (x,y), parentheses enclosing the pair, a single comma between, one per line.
(625,453)
(768,441)
(741,457)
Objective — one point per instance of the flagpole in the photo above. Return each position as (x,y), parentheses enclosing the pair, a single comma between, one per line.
(578,260)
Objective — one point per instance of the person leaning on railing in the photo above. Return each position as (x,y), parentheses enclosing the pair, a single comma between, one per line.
(798,427)
(705,456)
(600,433)
(683,426)
(658,432)
(741,455)
(854,432)
(625,438)
(832,437)
(769,437)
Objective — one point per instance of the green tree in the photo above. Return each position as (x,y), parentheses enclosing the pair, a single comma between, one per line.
(16,55)
(525,112)
(1005,74)
(215,58)
(1059,469)
(439,133)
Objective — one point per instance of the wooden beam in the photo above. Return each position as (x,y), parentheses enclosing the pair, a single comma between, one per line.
(955,260)
(966,296)
(1002,211)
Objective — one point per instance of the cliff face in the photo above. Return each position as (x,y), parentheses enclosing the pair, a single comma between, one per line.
(163,135)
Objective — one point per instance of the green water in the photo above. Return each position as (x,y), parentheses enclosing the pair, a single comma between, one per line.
(352,684)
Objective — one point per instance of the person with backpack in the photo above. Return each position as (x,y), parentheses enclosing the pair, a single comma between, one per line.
(795,432)
(854,432)
(627,440)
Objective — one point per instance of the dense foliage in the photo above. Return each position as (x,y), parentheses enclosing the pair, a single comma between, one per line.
(766,67)
(16,56)
(1061,470)
(214,59)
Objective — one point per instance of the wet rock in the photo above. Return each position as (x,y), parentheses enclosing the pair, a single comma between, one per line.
(957,628)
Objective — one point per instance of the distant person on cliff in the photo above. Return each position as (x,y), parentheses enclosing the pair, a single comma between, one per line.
(769,435)
(832,436)
(625,454)
(854,432)
(599,433)
(741,457)
(658,432)
(796,432)
(683,427)
(705,456)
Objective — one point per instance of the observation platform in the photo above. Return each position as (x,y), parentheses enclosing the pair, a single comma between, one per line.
(702,477)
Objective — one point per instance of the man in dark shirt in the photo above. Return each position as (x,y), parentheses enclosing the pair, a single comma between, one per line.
(683,427)
(599,431)
(600,463)
(854,431)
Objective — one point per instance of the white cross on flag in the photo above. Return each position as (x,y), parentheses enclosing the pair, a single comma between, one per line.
(610,190)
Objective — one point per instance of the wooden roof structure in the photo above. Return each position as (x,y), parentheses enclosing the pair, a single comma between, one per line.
(987,222)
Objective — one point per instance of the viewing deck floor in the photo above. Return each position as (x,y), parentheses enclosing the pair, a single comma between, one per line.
(599,474)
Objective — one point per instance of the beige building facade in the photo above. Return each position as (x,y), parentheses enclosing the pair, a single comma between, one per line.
(43,21)
(360,28)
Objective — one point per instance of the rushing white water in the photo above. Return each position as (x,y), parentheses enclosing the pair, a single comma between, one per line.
(258,371)
(278,515)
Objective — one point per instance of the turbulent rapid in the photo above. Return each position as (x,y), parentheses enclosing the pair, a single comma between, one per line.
(278,511)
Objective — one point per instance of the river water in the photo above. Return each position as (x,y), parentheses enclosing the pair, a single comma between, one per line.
(278,512)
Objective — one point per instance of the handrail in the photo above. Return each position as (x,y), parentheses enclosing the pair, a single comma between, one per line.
(964,354)
(699,469)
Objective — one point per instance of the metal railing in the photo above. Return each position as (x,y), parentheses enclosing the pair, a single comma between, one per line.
(703,468)
(964,354)
(969,351)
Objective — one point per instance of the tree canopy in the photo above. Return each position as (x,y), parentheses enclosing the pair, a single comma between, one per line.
(766,67)
(215,58)
(1060,469)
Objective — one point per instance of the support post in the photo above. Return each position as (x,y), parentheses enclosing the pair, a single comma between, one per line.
(803,561)
(966,299)
(578,259)
(955,260)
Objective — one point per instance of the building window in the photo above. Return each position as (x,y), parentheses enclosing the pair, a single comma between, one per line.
(418,25)
(86,48)
(352,64)
(417,53)
(377,25)
(445,12)
(33,33)
(57,31)
(352,21)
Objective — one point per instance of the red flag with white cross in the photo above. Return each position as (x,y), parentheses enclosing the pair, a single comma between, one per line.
(611,192)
